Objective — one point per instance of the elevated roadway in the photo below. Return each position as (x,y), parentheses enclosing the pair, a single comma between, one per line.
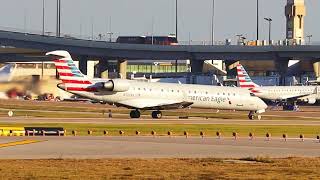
(83,50)
(137,51)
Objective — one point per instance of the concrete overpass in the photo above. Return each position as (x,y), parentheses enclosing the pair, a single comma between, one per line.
(36,45)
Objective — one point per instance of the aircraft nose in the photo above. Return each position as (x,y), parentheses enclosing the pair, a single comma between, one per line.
(261,104)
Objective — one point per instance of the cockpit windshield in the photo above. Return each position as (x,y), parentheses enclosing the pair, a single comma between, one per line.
(252,94)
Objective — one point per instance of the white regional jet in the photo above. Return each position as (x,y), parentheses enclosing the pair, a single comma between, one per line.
(307,94)
(153,96)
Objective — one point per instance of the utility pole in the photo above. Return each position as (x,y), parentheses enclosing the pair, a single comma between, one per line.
(152,29)
(177,19)
(257,20)
(43,16)
(269,20)
(212,24)
(58,18)
(309,39)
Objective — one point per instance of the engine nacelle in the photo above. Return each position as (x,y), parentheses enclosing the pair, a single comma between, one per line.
(116,85)
(311,100)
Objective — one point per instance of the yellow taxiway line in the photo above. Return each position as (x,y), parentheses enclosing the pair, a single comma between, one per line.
(16,143)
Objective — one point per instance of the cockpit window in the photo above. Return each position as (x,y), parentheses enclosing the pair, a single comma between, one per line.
(252,94)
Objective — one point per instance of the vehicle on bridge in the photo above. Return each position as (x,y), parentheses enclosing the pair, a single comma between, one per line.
(156,40)
(153,96)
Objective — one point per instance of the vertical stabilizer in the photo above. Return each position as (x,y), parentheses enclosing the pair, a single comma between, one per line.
(244,79)
(69,73)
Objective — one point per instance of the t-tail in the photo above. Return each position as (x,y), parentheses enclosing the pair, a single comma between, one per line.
(244,79)
(71,77)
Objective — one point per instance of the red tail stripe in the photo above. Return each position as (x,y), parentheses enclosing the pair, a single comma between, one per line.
(65,74)
(75,81)
(255,91)
(240,80)
(62,67)
(81,89)
(60,61)
(241,75)
(247,86)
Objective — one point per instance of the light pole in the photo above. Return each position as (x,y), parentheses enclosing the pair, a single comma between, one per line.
(177,19)
(110,36)
(43,16)
(58,18)
(212,24)
(257,20)
(309,39)
(269,20)
(239,38)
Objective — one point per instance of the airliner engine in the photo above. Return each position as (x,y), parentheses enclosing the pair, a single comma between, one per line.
(311,100)
(116,85)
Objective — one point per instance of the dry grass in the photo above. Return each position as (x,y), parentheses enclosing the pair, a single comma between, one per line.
(291,168)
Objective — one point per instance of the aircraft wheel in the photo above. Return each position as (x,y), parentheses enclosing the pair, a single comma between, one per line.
(135,114)
(259,117)
(251,115)
(156,114)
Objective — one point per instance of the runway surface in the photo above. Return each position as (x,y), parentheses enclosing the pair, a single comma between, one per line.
(158,121)
(155,147)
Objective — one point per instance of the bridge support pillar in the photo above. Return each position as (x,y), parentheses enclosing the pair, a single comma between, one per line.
(122,68)
(316,68)
(231,67)
(282,67)
(196,66)
(83,64)
(102,69)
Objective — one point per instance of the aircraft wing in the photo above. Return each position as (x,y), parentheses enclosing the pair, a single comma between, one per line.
(153,104)
(295,97)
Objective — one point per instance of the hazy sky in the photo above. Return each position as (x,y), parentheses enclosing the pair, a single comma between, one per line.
(134,17)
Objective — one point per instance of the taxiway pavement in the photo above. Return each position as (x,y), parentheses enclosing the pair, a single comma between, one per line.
(94,147)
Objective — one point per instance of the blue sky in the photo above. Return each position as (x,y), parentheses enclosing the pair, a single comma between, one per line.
(134,17)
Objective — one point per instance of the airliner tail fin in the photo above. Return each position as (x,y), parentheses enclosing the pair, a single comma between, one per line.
(244,79)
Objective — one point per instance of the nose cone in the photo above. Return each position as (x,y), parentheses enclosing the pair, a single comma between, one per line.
(261,104)
(62,86)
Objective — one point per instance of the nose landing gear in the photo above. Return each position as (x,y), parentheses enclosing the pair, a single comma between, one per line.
(252,115)
(156,114)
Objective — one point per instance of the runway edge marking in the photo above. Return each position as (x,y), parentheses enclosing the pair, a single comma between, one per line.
(16,143)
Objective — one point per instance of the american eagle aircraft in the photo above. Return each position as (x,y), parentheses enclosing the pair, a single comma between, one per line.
(307,94)
(140,96)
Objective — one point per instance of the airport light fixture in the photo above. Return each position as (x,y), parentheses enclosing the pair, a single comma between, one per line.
(269,21)
(43,16)
(58,30)
(309,39)
(177,19)
(257,19)
(212,23)
(239,38)
(110,36)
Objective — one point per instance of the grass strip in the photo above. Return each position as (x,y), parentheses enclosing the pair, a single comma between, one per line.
(186,168)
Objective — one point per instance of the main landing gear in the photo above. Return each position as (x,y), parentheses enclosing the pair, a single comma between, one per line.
(134,114)
(156,114)
(252,114)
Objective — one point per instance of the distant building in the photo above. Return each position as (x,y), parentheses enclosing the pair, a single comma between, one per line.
(295,12)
